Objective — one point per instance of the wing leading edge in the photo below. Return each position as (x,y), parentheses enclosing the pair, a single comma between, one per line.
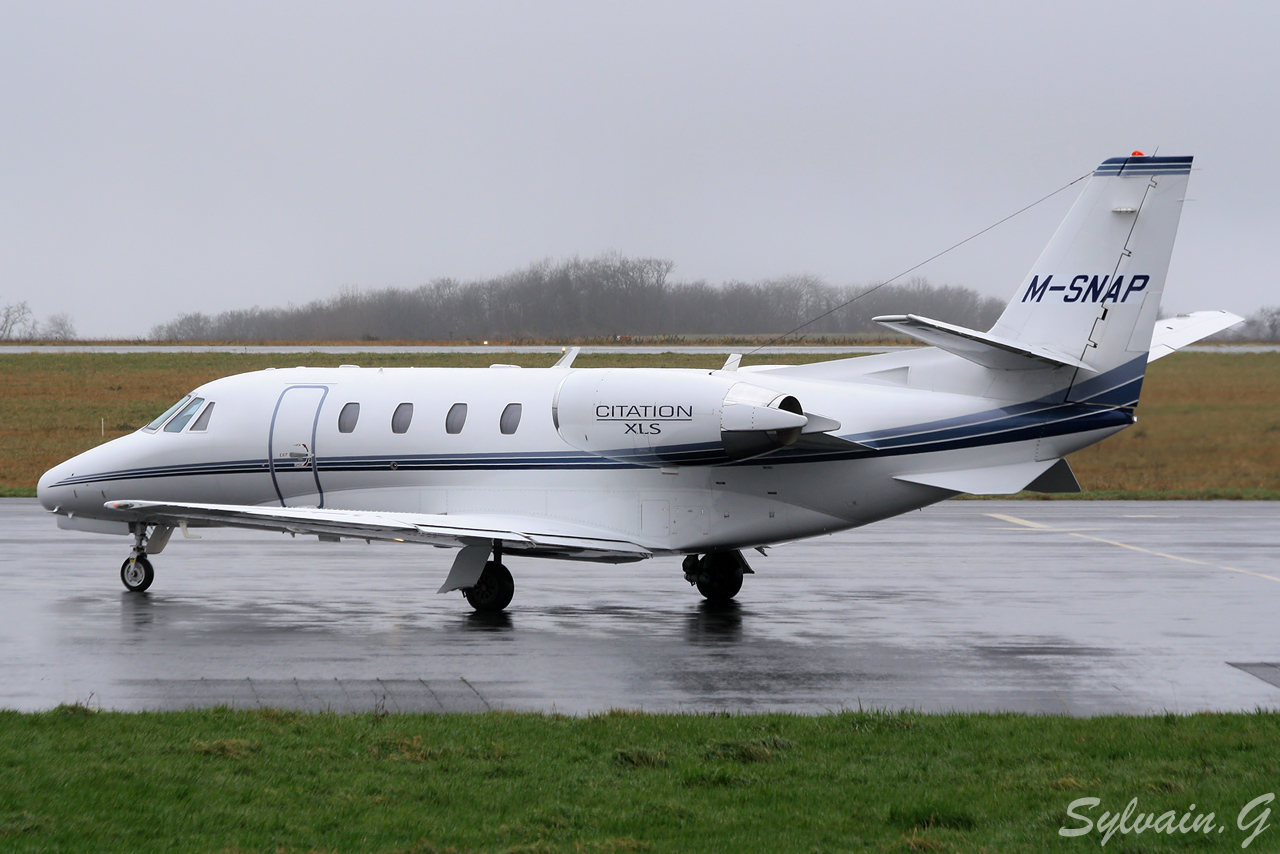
(515,533)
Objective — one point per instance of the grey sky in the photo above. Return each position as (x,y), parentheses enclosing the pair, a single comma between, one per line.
(168,157)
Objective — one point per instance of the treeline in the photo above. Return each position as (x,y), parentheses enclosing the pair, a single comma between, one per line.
(19,323)
(608,296)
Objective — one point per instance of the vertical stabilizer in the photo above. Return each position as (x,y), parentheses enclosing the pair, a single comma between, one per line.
(1094,294)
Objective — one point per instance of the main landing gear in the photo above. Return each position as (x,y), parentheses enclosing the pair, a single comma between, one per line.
(494,588)
(718,575)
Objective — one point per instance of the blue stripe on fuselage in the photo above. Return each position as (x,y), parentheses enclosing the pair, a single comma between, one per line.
(1098,403)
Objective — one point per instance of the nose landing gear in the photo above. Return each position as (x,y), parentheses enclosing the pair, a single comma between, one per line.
(718,575)
(136,572)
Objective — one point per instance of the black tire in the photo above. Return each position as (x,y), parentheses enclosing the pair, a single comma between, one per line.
(494,589)
(720,578)
(137,574)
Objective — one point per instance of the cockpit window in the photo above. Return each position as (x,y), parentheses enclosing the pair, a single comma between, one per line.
(202,423)
(155,425)
(180,420)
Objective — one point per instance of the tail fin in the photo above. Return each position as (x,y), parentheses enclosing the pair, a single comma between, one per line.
(1094,294)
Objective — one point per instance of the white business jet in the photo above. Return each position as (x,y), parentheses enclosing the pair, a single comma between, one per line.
(618,465)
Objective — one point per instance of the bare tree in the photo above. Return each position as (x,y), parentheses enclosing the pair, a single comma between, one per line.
(1262,325)
(1268,319)
(185,327)
(58,327)
(16,321)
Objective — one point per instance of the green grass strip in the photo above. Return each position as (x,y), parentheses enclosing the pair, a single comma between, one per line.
(280,781)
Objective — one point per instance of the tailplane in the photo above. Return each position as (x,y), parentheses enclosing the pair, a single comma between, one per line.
(1091,301)
(1080,326)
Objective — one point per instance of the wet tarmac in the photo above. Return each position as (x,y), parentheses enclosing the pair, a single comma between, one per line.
(1058,607)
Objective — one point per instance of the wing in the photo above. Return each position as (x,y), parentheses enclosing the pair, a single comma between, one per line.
(528,535)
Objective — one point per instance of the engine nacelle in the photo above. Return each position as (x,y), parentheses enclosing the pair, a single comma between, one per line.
(669,418)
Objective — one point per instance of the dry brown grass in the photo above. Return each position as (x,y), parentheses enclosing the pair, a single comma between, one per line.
(1209,424)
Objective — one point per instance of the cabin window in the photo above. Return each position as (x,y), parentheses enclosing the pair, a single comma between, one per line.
(456,418)
(401,417)
(510,420)
(202,423)
(348,417)
(180,420)
(155,425)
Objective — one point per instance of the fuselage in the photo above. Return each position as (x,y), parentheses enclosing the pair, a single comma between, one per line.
(456,441)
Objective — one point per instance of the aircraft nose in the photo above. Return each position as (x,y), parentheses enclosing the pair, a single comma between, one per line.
(52,495)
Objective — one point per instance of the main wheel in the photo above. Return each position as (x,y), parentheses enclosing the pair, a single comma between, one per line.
(720,578)
(137,574)
(493,590)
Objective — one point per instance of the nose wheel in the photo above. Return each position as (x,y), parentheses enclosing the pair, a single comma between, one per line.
(137,573)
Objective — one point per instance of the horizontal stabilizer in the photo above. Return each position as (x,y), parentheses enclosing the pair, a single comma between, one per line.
(1174,333)
(992,480)
(988,350)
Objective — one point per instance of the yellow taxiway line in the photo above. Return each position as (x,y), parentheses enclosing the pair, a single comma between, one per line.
(1038,526)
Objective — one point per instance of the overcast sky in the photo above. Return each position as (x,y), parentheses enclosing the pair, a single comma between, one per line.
(158,158)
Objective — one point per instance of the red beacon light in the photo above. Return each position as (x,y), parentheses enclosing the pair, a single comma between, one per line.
(1139,154)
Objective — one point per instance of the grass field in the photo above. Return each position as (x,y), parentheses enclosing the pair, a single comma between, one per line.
(276,781)
(1209,424)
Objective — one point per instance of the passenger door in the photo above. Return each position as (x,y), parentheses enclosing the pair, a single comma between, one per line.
(291,448)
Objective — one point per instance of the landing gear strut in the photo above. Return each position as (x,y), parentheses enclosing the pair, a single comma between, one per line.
(494,588)
(718,575)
